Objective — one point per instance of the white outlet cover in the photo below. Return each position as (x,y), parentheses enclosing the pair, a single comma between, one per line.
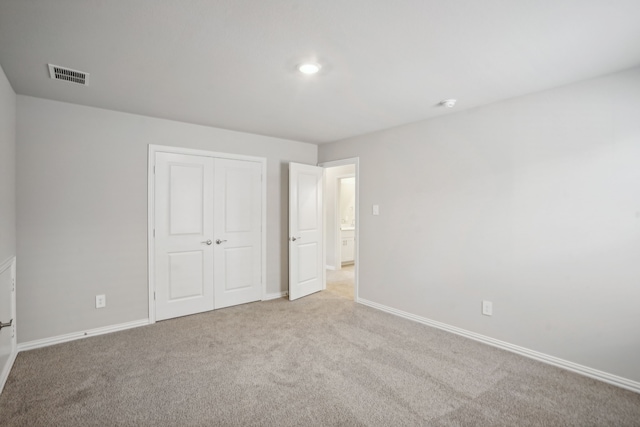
(101,301)
(487,308)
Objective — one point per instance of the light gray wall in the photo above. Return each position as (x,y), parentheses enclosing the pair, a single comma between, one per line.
(532,203)
(82,210)
(330,182)
(7,169)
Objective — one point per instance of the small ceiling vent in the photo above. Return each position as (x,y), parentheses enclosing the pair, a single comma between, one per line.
(68,75)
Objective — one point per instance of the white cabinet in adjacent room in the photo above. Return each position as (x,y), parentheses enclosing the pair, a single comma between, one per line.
(347,236)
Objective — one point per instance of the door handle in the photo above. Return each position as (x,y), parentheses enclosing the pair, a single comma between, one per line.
(208,242)
(220,241)
(6,325)
(293,239)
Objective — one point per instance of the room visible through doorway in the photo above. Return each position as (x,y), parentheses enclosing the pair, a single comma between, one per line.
(341,225)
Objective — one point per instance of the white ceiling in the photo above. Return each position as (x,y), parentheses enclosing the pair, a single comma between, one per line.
(231,63)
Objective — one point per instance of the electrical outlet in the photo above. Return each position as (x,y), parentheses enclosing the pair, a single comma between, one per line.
(487,308)
(101,301)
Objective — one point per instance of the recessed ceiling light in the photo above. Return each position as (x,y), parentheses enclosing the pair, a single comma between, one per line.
(449,103)
(309,68)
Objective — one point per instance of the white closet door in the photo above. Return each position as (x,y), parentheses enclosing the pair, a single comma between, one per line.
(183,234)
(238,232)
(306,238)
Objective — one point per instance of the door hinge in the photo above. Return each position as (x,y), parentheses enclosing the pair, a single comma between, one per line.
(154,232)
(154,295)
(154,170)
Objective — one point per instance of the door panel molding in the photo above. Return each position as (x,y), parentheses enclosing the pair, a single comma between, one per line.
(184,211)
(238,228)
(152,151)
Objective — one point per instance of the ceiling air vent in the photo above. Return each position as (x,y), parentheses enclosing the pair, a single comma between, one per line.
(68,75)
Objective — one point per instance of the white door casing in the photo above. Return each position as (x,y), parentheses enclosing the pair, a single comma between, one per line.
(255,168)
(306,237)
(8,344)
(183,234)
(238,232)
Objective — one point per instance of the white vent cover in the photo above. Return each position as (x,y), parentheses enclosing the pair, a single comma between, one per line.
(68,75)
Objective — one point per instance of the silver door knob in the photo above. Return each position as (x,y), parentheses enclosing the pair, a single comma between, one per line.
(208,242)
(220,241)
(293,239)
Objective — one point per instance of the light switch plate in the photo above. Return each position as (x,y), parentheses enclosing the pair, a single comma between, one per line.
(376,209)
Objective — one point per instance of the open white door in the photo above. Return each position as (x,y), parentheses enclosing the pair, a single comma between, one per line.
(8,346)
(184,234)
(306,238)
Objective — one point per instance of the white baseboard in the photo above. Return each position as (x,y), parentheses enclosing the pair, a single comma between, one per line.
(45,342)
(275,295)
(329,267)
(542,357)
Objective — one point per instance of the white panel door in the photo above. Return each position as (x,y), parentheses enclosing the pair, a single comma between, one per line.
(306,269)
(7,317)
(183,234)
(238,232)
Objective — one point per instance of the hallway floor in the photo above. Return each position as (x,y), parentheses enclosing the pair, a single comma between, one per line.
(341,282)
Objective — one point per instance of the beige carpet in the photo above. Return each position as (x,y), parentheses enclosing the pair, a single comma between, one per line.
(321,360)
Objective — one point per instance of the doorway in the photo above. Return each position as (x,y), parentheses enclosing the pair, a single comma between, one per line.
(341,225)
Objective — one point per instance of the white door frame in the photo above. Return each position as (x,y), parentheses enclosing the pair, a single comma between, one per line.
(9,266)
(356,162)
(153,149)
